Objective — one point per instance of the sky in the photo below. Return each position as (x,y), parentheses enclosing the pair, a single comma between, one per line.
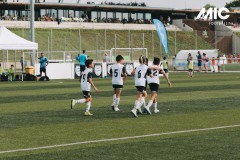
(177,4)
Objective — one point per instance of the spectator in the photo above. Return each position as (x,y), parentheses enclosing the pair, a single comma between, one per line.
(190,67)
(77,57)
(213,63)
(205,60)
(23,63)
(219,64)
(199,58)
(174,63)
(106,58)
(43,63)
(189,57)
(82,59)
(165,65)
(10,73)
(168,20)
(1,70)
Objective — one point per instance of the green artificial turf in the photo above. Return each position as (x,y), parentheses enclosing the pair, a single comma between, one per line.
(36,114)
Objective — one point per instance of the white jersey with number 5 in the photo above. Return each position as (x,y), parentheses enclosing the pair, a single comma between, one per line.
(155,78)
(117,70)
(85,85)
(140,75)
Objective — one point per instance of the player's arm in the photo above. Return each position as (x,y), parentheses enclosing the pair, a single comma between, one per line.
(111,72)
(91,82)
(124,73)
(133,72)
(46,61)
(166,77)
(149,73)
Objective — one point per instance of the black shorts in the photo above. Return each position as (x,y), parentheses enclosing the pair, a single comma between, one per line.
(82,68)
(190,70)
(42,70)
(165,70)
(154,87)
(86,94)
(199,64)
(117,86)
(141,89)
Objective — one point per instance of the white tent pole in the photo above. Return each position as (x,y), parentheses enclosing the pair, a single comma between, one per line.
(7,61)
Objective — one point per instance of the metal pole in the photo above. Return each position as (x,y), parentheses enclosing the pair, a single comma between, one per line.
(143,39)
(215,39)
(235,37)
(79,38)
(51,42)
(131,47)
(48,45)
(97,47)
(129,36)
(105,40)
(175,41)
(152,44)
(115,44)
(32,31)
(196,41)
(160,49)
(65,45)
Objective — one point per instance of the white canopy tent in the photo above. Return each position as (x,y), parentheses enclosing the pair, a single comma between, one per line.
(11,41)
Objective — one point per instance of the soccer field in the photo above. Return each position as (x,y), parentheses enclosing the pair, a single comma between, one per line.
(199,119)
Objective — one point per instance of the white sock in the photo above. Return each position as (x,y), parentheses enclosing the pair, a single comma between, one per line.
(114,98)
(137,105)
(155,106)
(149,104)
(142,102)
(80,101)
(88,106)
(117,101)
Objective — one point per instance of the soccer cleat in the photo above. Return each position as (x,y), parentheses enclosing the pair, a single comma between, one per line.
(139,111)
(116,109)
(148,110)
(144,110)
(73,103)
(156,111)
(88,114)
(134,112)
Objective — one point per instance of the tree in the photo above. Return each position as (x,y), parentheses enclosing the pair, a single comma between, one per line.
(235,3)
(207,6)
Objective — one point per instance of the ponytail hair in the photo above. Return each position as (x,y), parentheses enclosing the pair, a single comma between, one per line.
(142,59)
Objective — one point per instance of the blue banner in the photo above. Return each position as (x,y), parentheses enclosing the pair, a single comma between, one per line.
(162,33)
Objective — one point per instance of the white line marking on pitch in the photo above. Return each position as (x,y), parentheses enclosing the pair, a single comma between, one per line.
(116,139)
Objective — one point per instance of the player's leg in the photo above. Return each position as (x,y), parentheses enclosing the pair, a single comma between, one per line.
(117,100)
(41,72)
(137,104)
(156,110)
(45,72)
(154,89)
(79,101)
(88,106)
(114,99)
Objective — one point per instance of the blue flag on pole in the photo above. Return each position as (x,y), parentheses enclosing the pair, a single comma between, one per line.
(162,33)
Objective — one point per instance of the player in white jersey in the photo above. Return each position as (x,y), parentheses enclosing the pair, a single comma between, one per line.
(118,74)
(140,74)
(153,83)
(86,83)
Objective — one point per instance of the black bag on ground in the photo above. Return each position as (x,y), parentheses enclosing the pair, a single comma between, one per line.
(44,78)
(30,77)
